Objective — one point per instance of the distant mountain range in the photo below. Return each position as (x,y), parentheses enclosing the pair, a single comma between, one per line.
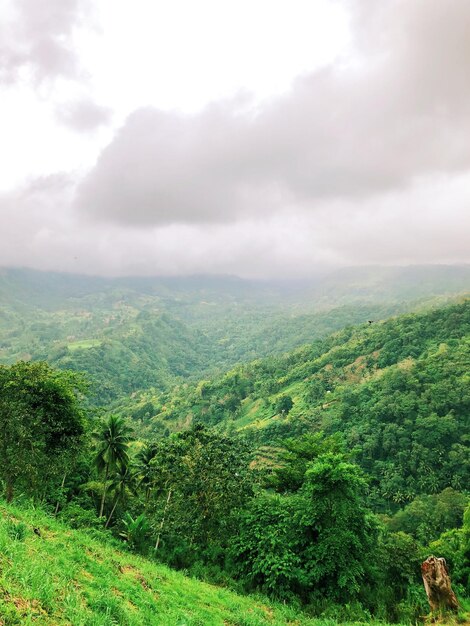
(135,333)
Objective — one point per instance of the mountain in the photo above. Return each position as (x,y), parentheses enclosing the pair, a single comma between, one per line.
(139,333)
(396,393)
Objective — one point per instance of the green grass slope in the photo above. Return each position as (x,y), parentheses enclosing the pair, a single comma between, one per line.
(67,577)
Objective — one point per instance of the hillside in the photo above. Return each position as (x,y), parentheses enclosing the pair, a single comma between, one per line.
(395,392)
(67,577)
(134,334)
(322,477)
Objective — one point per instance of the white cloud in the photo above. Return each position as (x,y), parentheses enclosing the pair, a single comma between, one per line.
(83,115)
(36,37)
(362,161)
(341,132)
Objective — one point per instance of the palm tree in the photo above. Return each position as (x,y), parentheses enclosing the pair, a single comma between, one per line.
(146,468)
(123,480)
(112,450)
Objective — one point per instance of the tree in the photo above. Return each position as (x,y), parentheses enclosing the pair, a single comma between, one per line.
(123,481)
(145,468)
(317,542)
(338,532)
(284,404)
(288,474)
(266,552)
(428,516)
(41,424)
(112,450)
(201,478)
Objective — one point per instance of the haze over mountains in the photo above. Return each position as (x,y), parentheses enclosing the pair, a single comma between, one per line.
(134,333)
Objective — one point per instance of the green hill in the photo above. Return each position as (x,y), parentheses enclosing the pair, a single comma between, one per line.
(51,575)
(395,392)
(134,334)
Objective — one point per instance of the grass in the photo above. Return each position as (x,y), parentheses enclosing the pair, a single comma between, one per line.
(84,344)
(69,577)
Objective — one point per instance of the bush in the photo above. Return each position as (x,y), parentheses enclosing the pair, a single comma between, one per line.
(78,517)
(16,530)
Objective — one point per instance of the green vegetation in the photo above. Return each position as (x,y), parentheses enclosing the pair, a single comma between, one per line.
(69,577)
(84,344)
(41,425)
(397,394)
(321,477)
(134,334)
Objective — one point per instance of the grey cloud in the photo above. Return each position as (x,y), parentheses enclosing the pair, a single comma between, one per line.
(164,167)
(39,231)
(398,108)
(83,115)
(36,35)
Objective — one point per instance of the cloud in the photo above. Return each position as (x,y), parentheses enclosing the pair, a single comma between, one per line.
(427,223)
(396,109)
(363,162)
(83,115)
(36,36)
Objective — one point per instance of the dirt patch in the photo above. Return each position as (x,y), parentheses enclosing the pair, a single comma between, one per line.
(28,607)
(267,610)
(135,573)
(127,569)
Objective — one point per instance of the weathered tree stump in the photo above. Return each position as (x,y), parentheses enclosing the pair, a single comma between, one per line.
(437,584)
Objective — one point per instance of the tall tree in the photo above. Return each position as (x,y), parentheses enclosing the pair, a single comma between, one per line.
(315,543)
(112,450)
(201,478)
(123,481)
(145,468)
(41,424)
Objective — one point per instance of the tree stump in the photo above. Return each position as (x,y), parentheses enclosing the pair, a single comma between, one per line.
(437,585)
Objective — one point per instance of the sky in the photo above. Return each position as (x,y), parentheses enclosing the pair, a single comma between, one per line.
(261,138)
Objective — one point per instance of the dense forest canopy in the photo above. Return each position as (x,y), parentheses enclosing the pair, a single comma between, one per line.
(396,392)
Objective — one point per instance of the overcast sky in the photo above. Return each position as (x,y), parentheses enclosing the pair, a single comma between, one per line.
(262,138)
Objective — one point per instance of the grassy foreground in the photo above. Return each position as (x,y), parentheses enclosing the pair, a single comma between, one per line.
(65,576)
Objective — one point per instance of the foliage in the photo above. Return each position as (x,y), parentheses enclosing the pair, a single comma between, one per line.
(396,393)
(41,425)
(16,530)
(67,577)
(427,516)
(315,543)
(294,458)
(112,451)
(454,546)
(136,531)
(284,405)
(200,480)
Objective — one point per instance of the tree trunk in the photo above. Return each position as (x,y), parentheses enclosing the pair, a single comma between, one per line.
(112,511)
(437,585)
(58,499)
(103,497)
(9,489)
(163,520)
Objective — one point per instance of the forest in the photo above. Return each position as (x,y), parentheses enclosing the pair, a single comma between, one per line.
(314,479)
